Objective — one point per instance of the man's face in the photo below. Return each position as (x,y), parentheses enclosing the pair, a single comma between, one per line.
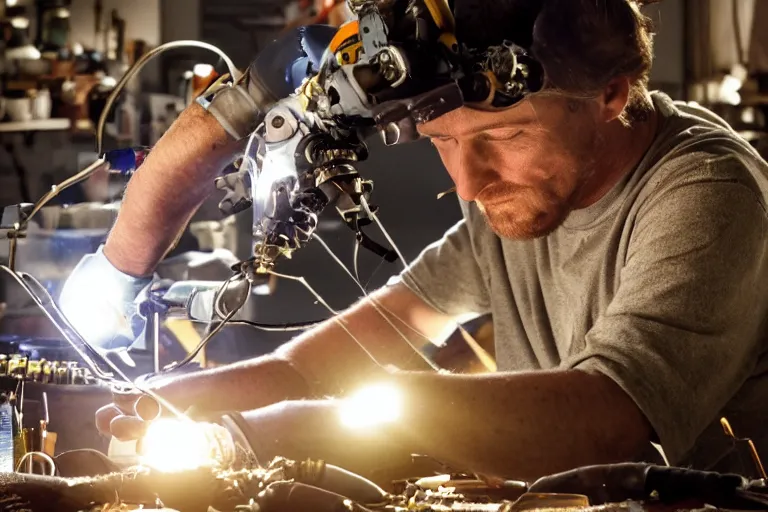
(524,167)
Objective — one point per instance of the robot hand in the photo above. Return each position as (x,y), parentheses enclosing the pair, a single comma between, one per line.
(98,300)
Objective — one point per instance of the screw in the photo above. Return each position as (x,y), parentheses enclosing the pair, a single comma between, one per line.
(278,122)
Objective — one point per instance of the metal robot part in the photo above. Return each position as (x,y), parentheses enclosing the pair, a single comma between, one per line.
(396,66)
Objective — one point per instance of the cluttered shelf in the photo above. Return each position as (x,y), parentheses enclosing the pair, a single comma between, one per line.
(35,125)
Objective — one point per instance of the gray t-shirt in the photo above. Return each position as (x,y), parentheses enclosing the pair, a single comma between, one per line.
(662,285)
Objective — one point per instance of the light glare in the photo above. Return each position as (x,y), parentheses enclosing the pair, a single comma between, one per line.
(96,321)
(202,70)
(173,445)
(372,406)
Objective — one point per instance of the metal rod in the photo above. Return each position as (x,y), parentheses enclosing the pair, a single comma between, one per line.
(44,424)
(727,428)
(21,404)
(156,339)
(43,299)
(752,448)
(45,407)
(86,352)
(756,459)
(43,434)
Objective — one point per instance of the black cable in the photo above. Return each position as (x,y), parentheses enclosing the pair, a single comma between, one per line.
(287,327)
(356,265)
(373,274)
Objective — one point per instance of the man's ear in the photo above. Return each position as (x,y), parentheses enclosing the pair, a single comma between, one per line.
(614,98)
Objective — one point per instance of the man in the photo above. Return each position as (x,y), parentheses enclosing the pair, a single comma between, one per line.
(618,240)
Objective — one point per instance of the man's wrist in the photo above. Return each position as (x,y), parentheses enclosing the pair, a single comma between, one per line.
(119,255)
(238,387)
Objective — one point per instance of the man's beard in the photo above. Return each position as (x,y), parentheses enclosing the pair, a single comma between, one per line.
(521,212)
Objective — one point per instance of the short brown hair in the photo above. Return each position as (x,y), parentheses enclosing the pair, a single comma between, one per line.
(582,44)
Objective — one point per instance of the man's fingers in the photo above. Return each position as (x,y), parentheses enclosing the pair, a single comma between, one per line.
(104,417)
(138,404)
(126,402)
(127,428)
(147,408)
(112,420)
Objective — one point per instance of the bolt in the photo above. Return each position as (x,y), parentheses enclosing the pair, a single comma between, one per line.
(278,122)
(384,57)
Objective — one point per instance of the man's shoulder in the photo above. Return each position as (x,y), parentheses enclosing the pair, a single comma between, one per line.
(714,164)
(706,182)
(697,147)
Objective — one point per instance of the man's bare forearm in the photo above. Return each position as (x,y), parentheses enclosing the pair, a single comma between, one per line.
(323,361)
(519,426)
(522,425)
(165,192)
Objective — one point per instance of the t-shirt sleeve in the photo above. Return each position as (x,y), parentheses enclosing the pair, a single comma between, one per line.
(447,275)
(684,329)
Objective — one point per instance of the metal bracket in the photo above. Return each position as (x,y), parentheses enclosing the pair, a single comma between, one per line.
(373,32)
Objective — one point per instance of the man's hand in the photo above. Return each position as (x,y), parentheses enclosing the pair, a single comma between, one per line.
(126,417)
(316,429)
(519,426)
(325,361)
(238,387)
(98,300)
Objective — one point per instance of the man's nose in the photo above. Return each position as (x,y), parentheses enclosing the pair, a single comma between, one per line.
(472,172)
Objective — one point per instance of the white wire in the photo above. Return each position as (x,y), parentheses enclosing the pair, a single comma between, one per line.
(247,154)
(91,169)
(376,306)
(211,333)
(233,71)
(58,189)
(485,359)
(355,259)
(335,314)
(392,313)
(47,458)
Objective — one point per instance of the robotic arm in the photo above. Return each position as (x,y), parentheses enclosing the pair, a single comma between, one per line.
(397,65)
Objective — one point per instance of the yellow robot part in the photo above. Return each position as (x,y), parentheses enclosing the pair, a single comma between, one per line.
(346,45)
